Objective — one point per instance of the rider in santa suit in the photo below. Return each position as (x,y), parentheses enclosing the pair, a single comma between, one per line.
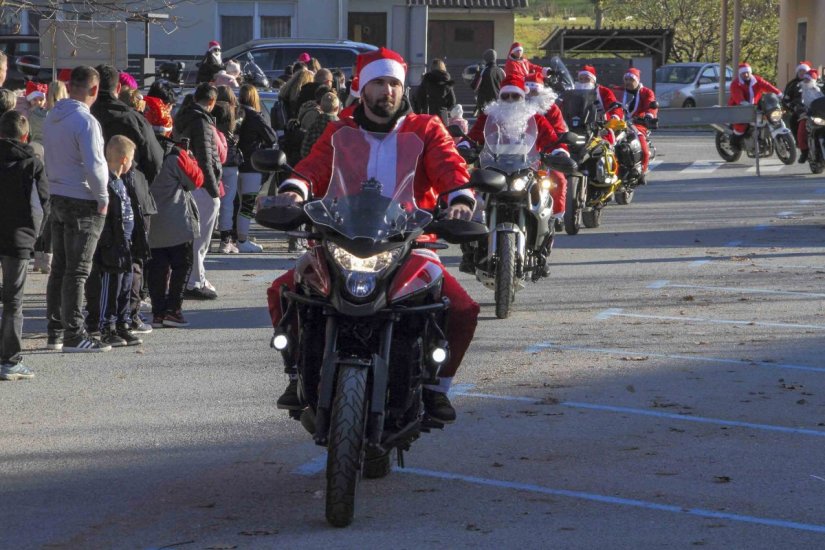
(745,90)
(384,109)
(637,101)
(518,65)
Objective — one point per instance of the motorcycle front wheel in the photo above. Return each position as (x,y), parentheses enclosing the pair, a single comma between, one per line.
(573,208)
(505,274)
(785,148)
(725,149)
(624,197)
(592,218)
(346,444)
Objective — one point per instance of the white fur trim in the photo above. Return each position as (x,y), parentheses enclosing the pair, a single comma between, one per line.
(588,73)
(745,69)
(509,89)
(294,182)
(518,49)
(631,75)
(554,151)
(35,94)
(379,68)
(803,67)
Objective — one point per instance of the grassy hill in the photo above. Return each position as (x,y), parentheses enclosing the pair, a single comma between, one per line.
(531,30)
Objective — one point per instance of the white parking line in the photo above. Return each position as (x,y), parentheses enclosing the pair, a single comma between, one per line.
(618,312)
(695,358)
(767,165)
(668,284)
(653,164)
(703,167)
(698,263)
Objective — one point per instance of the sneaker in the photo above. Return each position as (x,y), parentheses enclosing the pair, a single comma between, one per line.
(15,372)
(225,247)
(113,339)
(145,304)
(210,286)
(85,344)
(129,336)
(234,248)
(139,326)
(248,247)
(54,342)
(438,406)
(174,319)
(200,294)
(157,321)
(289,399)
(94,333)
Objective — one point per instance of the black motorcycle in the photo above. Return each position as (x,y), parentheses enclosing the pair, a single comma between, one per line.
(815,124)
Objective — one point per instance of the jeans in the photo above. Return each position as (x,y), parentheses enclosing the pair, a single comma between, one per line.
(11,329)
(166,273)
(229,177)
(248,187)
(208,210)
(76,228)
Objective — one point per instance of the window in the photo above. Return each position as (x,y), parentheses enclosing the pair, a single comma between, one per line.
(801,39)
(464,34)
(265,59)
(710,73)
(275,26)
(235,30)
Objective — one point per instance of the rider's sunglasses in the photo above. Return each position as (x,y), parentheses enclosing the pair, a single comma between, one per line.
(510,97)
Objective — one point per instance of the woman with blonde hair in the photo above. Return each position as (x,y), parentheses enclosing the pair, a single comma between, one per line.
(255,133)
(57,91)
(289,92)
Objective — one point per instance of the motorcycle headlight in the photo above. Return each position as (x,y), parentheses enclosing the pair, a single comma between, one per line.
(775,115)
(818,121)
(546,183)
(361,284)
(371,264)
(519,184)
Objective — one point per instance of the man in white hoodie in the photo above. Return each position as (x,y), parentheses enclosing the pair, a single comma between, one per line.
(78,177)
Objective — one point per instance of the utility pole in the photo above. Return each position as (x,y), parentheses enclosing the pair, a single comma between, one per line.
(723,53)
(737,28)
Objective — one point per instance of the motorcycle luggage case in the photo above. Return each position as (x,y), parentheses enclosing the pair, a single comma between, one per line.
(629,152)
(817,107)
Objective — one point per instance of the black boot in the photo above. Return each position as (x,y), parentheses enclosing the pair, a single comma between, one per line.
(736,141)
(803,157)
(468,264)
(289,399)
(438,406)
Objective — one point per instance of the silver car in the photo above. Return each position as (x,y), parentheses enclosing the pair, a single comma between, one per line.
(690,84)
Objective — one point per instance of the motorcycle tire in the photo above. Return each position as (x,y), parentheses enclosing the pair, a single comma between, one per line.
(573,208)
(785,148)
(377,466)
(505,274)
(817,167)
(728,154)
(624,197)
(346,443)
(592,218)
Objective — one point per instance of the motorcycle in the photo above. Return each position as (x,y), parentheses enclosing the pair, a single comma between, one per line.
(815,122)
(628,150)
(597,180)
(253,74)
(365,324)
(519,217)
(768,137)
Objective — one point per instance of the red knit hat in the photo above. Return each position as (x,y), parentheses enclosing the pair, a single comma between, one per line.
(382,62)
(634,73)
(513,84)
(588,70)
(159,115)
(516,47)
(744,68)
(35,90)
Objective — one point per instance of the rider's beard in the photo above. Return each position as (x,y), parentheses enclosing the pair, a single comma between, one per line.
(511,116)
(216,56)
(383,107)
(543,100)
(585,85)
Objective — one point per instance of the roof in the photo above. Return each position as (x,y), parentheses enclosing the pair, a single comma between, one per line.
(585,41)
(471,4)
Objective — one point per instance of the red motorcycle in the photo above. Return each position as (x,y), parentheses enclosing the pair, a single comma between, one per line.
(366,321)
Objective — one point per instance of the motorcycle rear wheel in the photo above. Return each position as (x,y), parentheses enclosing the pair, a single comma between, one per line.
(624,197)
(346,443)
(505,274)
(592,218)
(817,167)
(785,148)
(725,149)
(573,208)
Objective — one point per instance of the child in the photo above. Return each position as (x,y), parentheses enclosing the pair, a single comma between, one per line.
(111,275)
(25,201)
(36,96)
(175,226)
(330,105)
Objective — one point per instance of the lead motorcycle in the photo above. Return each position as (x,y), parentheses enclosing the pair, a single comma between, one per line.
(768,137)
(815,121)
(368,308)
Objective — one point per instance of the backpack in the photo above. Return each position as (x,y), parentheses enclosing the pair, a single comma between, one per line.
(291,142)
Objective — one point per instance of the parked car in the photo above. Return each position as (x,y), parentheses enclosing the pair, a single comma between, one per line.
(690,84)
(23,52)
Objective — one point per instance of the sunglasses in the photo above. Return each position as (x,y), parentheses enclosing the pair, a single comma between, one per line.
(510,97)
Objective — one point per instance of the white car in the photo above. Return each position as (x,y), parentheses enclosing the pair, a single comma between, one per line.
(689,84)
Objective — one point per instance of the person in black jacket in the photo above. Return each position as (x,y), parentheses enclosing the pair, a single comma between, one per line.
(435,95)
(488,81)
(225,113)
(25,204)
(792,101)
(255,133)
(195,123)
(211,63)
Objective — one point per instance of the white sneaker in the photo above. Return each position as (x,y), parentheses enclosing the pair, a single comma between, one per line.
(208,285)
(249,247)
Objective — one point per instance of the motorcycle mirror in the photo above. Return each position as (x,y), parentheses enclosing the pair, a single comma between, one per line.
(269,160)
(572,138)
(281,218)
(560,163)
(29,65)
(458,231)
(487,181)
(654,104)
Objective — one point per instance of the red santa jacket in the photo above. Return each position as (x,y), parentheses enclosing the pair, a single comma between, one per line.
(440,167)
(741,93)
(639,106)
(547,139)
(521,67)
(607,98)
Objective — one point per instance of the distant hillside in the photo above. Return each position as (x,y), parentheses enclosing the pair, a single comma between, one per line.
(560,8)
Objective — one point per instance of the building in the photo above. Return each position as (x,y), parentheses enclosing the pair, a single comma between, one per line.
(799,39)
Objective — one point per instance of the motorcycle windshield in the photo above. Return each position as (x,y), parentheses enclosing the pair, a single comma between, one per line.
(509,144)
(370,193)
(562,75)
(578,108)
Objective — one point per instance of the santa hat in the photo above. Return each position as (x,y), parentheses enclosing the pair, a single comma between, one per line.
(812,74)
(159,115)
(214,45)
(513,84)
(35,90)
(534,80)
(589,71)
(634,73)
(516,48)
(744,68)
(380,63)
(803,66)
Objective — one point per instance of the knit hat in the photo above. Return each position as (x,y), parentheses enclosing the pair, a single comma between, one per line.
(516,48)
(304,58)
(590,71)
(159,115)
(513,84)
(382,62)
(214,45)
(127,81)
(35,90)
(534,81)
(744,68)
(489,56)
(634,73)
(233,68)
(804,66)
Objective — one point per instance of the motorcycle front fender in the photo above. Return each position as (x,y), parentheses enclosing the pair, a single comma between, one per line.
(506,228)
(779,130)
